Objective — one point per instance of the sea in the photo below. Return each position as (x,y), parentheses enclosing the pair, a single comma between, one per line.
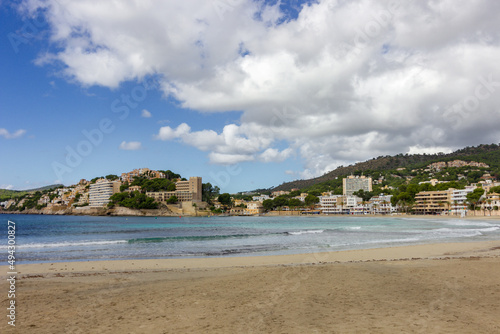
(43,238)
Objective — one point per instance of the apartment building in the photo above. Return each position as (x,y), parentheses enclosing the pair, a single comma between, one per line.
(459,200)
(331,204)
(491,201)
(254,208)
(381,204)
(186,191)
(352,183)
(101,191)
(193,185)
(339,204)
(433,202)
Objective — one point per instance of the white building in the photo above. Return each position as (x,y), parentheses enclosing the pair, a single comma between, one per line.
(338,204)
(331,204)
(459,200)
(260,198)
(101,191)
(381,204)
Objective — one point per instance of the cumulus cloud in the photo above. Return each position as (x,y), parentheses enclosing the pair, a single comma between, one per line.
(130,146)
(145,113)
(342,82)
(7,135)
(233,145)
(274,155)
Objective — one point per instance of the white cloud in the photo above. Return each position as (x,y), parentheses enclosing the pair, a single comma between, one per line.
(345,81)
(7,186)
(130,146)
(145,113)
(428,150)
(274,155)
(233,145)
(7,135)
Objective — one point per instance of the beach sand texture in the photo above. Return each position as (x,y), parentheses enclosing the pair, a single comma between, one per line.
(445,288)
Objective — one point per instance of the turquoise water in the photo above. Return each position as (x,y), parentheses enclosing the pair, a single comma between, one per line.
(80,238)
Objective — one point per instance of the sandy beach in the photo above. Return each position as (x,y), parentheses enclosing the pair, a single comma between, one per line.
(440,288)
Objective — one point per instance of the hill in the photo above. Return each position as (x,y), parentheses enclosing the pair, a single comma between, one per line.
(489,154)
(7,193)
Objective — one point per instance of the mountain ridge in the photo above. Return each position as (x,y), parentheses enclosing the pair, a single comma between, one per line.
(487,153)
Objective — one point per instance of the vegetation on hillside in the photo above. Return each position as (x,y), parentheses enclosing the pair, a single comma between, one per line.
(132,200)
(489,154)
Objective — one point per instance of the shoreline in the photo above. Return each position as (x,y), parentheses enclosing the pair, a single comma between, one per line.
(434,288)
(145,213)
(398,253)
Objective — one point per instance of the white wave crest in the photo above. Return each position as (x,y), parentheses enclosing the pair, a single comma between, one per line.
(306,232)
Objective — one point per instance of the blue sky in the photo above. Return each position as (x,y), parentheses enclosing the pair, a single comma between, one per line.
(246,94)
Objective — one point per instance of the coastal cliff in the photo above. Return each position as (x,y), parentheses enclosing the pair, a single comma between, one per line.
(116,211)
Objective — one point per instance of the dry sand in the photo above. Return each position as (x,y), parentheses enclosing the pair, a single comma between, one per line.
(444,288)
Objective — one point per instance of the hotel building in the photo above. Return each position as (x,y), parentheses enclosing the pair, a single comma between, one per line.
(433,202)
(352,183)
(101,191)
(186,191)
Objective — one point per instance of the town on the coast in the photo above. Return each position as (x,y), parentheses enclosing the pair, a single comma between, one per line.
(453,188)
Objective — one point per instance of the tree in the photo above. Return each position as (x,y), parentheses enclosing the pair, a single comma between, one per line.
(112,177)
(365,196)
(494,190)
(209,192)
(172,200)
(124,186)
(225,199)
(133,200)
(311,200)
(268,204)
(474,196)
(295,202)
(280,201)
(170,175)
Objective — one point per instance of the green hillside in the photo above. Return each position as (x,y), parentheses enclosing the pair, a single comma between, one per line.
(8,194)
(489,154)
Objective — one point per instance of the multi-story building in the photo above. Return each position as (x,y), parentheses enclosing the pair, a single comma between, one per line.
(433,202)
(459,200)
(381,204)
(352,183)
(331,204)
(254,208)
(186,191)
(339,204)
(101,191)
(491,202)
(193,186)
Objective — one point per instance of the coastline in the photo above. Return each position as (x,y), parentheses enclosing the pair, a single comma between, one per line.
(413,289)
(125,212)
(400,253)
